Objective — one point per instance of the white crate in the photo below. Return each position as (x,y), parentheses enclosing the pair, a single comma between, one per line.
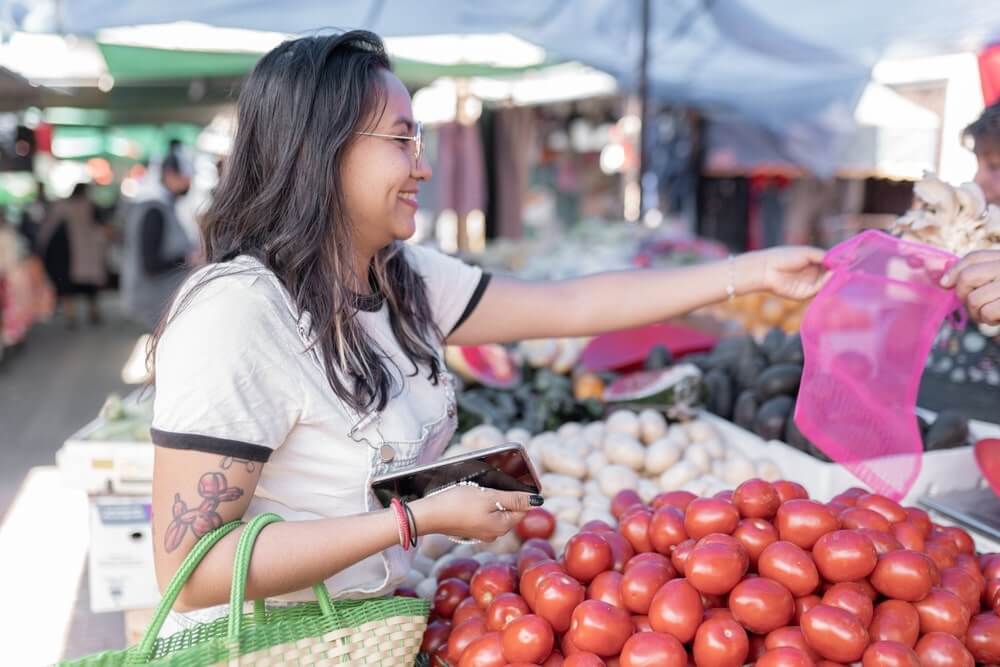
(120,558)
(941,471)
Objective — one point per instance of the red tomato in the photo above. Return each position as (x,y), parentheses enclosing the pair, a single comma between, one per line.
(641,623)
(790,491)
(909,535)
(834,633)
(600,628)
(537,522)
(890,509)
(726,495)
(596,526)
(491,580)
(969,564)
(857,518)
(942,611)
(528,638)
(755,535)
(790,566)
(716,568)
(556,596)
(756,499)
(850,597)
(462,635)
(919,517)
(677,610)
(705,516)
(459,568)
(539,543)
(804,604)
(678,499)
(802,522)
(531,577)
(889,654)
(504,609)
(449,594)
(606,587)
(964,585)
(884,542)
(641,582)
(653,649)
(666,529)
(761,605)
(680,555)
(942,551)
(897,621)
(623,501)
(587,555)
(621,551)
(529,556)
(844,555)
(648,557)
(939,649)
(717,612)
(990,565)
(785,656)
(555,660)
(487,651)
(791,636)
(983,638)
(721,642)
(962,540)
(435,636)
(583,660)
(635,528)
(465,610)
(904,575)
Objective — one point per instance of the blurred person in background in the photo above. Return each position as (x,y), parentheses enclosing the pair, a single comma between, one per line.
(33,218)
(158,251)
(73,244)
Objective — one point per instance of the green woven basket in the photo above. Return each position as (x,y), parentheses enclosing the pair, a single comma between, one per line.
(380,631)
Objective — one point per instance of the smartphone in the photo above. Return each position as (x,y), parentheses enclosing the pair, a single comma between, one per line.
(504,467)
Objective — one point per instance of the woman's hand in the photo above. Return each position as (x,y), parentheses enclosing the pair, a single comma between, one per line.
(470,512)
(976,279)
(793,272)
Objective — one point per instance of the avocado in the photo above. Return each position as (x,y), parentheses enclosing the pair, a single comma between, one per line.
(728,351)
(719,388)
(745,410)
(704,362)
(790,351)
(923,425)
(659,357)
(770,421)
(772,343)
(750,366)
(794,437)
(777,380)
(950,429)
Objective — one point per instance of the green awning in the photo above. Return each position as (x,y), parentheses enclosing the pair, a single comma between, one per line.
(126,142)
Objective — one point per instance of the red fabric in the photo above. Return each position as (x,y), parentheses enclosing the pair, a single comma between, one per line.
(627,350)
(43,138)
(989,73)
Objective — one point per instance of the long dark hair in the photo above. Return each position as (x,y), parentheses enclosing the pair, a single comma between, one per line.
(280,201)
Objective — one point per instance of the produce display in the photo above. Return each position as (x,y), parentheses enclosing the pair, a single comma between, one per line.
(955,218)
(757,575)
(755,386)
(124,420)
(759,312)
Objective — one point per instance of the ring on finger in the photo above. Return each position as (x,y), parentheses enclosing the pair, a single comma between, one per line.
(500,507)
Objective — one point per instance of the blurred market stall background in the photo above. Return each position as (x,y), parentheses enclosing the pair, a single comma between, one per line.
(566,137)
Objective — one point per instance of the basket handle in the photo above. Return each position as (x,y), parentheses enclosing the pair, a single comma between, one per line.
(191,561)
(241,567)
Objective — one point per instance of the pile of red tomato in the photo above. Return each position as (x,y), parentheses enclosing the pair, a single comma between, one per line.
(758,575)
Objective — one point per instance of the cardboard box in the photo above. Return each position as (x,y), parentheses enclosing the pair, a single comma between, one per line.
(121,554)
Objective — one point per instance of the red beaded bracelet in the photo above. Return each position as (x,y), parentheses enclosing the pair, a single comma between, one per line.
(403,523)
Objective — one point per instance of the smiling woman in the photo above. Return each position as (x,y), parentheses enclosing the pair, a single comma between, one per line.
(306,358)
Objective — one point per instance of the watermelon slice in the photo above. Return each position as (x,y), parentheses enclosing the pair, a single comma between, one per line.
(680,384)
(988,457)
(627,350)
(488,365)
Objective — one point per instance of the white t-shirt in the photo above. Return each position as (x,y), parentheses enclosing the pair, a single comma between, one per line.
(234,377)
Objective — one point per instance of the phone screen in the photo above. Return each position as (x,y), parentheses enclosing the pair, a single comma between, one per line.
(505,471)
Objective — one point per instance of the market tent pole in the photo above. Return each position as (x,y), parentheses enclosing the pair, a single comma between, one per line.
(644,107)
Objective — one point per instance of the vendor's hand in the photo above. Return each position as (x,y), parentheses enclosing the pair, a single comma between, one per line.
(793,272)
(469,512)
(976,279)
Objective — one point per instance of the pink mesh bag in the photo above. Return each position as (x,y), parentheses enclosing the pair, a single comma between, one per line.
(866,337)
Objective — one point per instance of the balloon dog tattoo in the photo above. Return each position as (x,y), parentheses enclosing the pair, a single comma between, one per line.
(214,489)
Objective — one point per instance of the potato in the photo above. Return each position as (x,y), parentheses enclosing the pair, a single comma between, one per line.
(505,544)
(661,454)
(677,475)
(715,448)
(648,489)
(554,484)
(738,469)
(614,478)
(570,430)
(593,433)
(767,470)
(427,588)
(422,564)
(520,436)
(595,514)
(596,461)
(700,430)
(564,508)
(413,578)
(652,425)
(598,500)
(557,458)
(698,456)
(560,537)
(679,433)
(592,489)
(482,436)
(624,450)
(623,421)
(434,546)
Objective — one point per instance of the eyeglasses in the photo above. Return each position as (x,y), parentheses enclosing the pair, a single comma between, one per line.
(417,139)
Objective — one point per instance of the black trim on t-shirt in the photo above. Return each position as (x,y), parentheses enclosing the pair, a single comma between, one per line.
(474,300)
(210,445)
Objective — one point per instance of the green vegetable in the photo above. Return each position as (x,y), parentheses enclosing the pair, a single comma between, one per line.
(781,379)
